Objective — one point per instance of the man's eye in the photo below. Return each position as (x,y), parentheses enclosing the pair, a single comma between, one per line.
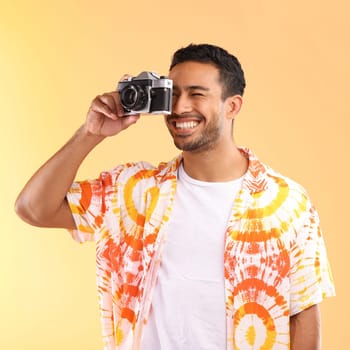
(197,94)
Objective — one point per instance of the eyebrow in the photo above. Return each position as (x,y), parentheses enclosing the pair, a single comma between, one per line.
(192,87)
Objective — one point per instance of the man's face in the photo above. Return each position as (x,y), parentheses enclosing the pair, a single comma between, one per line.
(197,120)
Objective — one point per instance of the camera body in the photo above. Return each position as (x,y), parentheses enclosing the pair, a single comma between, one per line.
(146,93)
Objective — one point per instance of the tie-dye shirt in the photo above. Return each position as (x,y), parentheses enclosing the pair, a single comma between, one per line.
(275,261)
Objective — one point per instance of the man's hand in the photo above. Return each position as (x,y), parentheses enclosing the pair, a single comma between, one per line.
(105,116)
(42,202)
(305,329)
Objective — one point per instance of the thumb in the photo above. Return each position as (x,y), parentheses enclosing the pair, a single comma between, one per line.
(132,119)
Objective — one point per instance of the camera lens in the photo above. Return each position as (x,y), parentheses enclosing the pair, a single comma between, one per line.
(133,97)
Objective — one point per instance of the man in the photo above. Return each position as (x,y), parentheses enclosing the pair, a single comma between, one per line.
(213,250)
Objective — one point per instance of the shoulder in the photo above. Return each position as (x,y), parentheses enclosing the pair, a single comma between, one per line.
(261,177)
(275,193)
(274,176)
(142,171)
(293,198)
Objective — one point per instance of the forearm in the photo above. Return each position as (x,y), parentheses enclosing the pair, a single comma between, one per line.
(42,200)
(305,330)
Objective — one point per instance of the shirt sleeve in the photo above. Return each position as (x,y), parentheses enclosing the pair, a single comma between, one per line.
(90,202)
(311,278)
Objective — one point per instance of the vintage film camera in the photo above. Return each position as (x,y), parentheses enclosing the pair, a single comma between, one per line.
(146,93)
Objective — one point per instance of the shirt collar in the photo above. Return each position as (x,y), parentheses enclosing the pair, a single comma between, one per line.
(254,180)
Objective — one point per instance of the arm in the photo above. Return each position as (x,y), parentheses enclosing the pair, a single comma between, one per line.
(42,202)
(305,329)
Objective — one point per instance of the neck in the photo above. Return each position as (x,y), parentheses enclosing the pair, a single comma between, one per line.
(217,165)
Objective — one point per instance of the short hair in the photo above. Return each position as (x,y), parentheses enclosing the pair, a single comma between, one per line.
(230,71)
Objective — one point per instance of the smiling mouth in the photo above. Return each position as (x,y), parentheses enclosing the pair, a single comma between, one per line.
(185,124)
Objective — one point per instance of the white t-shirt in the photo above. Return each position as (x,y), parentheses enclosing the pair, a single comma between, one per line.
(188,304)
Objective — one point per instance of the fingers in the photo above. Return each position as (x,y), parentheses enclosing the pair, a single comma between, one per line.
(125,77)
(106,105)
(102,108)
(117,104)
(109,104)
(117,96)
(129,120)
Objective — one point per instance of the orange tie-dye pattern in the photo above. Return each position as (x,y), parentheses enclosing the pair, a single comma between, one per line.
(275,261)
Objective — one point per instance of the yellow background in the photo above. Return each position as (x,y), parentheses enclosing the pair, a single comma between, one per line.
(56,56)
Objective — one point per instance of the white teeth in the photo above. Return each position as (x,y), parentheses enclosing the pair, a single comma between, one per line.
(186,125)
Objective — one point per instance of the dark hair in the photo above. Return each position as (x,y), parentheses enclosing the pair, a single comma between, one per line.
(230,70)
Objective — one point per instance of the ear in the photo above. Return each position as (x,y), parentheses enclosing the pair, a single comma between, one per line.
(233,106)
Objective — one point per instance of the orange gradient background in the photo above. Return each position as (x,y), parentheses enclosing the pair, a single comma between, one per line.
(56,56)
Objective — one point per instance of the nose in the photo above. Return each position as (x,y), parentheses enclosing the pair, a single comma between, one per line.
(181,104)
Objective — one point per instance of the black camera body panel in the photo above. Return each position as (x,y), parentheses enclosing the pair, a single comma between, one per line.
(146,93)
